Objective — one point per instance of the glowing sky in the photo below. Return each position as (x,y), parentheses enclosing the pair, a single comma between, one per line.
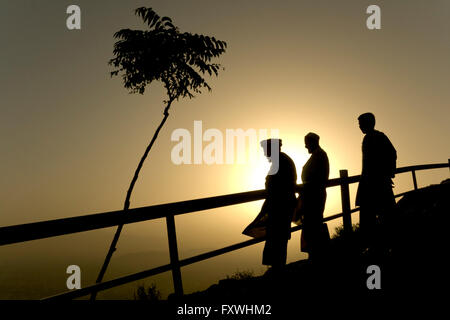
(71,137)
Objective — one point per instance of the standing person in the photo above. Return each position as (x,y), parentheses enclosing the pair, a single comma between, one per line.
(313,196)
(279,205)
(375,196)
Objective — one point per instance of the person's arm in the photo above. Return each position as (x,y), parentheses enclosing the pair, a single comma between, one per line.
(392,157)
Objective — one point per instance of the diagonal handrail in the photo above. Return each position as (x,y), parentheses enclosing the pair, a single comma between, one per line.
(58,227)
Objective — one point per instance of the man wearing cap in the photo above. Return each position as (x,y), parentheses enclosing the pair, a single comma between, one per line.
(375,196)
(280,203)
(313,196)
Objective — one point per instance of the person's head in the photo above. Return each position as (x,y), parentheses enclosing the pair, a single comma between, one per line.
(268,145)
(311,142)
(366,122)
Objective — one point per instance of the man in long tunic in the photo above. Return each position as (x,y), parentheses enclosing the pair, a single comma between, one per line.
(375,196)
(313,196)
(280,203)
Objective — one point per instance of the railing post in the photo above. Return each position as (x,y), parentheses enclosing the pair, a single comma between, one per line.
(174,261)
(345,200)
(413,172)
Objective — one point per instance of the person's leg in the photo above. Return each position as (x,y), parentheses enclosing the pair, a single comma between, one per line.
(278,257)
(367,223)
(267,258)
(315,239)
(283,252)
(279,253)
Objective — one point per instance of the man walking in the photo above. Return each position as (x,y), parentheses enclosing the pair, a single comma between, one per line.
(375,196)
(313,196)
(280,203)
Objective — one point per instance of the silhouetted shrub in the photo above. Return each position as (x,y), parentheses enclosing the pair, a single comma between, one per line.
(151,294)
(241,275)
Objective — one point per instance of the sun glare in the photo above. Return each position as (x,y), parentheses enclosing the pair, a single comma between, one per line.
(253,174)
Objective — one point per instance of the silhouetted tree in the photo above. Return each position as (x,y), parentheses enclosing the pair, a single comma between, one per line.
(161,53)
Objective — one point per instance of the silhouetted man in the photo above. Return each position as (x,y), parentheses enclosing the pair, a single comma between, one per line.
(375,196)
(313,196)
(279,204)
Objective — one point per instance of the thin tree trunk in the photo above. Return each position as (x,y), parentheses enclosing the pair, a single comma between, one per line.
(112,248)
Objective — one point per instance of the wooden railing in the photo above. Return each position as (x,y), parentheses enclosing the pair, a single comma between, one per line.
(52,228)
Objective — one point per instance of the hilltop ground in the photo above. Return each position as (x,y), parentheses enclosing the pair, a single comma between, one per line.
(411,253)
